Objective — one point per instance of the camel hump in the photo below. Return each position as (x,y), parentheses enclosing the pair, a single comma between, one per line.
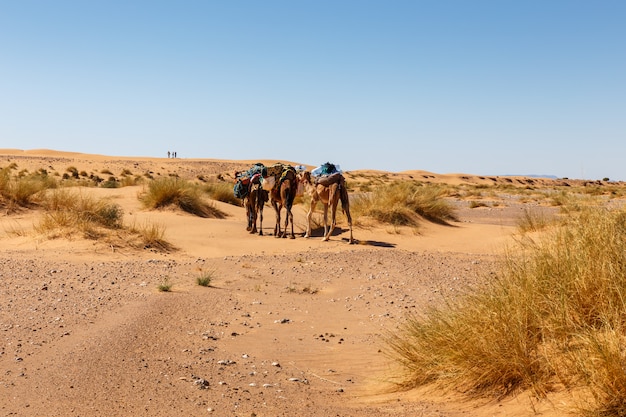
(274,170)
(327,180)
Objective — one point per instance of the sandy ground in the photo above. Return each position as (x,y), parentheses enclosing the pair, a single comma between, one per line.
(287,327)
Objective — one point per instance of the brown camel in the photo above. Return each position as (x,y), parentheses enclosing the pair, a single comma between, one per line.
(253,196)
(282,195)
(254,203)
(329,191)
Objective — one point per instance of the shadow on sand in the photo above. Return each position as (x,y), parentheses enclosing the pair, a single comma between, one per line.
(374,243)
(319,232)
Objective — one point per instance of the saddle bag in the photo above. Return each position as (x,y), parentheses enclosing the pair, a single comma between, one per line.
(268,183)
(240,190)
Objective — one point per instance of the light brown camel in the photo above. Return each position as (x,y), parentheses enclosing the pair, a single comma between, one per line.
(282,195)
(329,191)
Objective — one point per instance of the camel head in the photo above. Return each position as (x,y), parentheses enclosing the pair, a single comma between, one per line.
(305,177)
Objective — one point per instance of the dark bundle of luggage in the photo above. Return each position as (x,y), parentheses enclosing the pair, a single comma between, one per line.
(327,174)
(267,177)
(246,178)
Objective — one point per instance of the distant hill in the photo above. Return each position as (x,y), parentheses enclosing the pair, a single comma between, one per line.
(552,177)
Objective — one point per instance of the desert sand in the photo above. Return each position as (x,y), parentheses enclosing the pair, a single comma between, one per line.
(287,327)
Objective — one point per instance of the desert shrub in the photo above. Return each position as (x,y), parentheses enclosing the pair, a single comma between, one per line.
(73,171)
(152,236)
(532,221)
(112,182)
(127,181)
(476,204)
(173,191)
(554,313)
(70,211)
(95,179)
(222,191)
(23,190)
(165,285)
(404,204)
(205,278)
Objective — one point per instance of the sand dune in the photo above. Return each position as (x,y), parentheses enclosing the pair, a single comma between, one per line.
(288,327)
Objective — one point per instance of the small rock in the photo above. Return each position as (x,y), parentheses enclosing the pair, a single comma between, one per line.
(201,383)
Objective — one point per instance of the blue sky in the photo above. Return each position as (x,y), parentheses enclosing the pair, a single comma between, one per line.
(474,86)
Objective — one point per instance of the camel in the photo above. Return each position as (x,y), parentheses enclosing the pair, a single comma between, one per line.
(282,195)
(253,196)
(254,203)
(329,191)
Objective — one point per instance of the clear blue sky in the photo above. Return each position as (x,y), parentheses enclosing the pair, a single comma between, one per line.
(480,87)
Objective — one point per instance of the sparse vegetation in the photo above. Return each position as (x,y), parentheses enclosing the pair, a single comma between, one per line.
(476,204)
(165,285)
(404,204)
(205,278)
(222,191)
(72,171)
(173,191)
(68,211)
(112,182)
(152,236)
(554,314)
(22,190)
(532,221)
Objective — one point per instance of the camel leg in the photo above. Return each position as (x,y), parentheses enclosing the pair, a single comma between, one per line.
(345,206)
(252,220)
(349,217)
(333,217)
(287,214)
(253,228)
(309,216)
(326,234)
(277,227)
(261,219)
(246,203)
(289,219)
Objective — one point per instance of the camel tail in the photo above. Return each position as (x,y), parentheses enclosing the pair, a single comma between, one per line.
(343,195)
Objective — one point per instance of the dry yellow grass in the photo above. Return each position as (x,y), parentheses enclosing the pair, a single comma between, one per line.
(554,314)
(173,191)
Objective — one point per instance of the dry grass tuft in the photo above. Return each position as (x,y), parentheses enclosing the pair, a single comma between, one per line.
(532,220)
(173,191)
(222,191)
(152,236)
(165,285)
(554,314)
(68,211)
(404,204)
(23,190)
